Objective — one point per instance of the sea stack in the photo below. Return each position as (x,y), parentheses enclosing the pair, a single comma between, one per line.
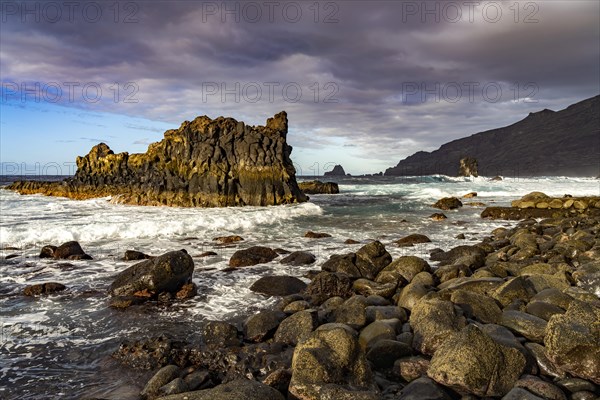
(338,170)
(204,163)
(468,167)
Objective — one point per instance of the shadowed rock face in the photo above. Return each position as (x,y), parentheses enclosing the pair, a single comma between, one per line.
(204,163)
(551,143)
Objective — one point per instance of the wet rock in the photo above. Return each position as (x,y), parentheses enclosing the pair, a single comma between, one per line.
(316,235)
(473,362)
(207,254)
(296,306)
(176,386)
(351,241)
(520,394)
(411,368)
(148,354)
(326,285)
(165,273)
(196,379)
(448,203)
(279,379)
(543,310)
(526,325)
(123,302)
(540,388)
(297,327)
(438,216)
(411,294)
(405,268)
(371,259)
(423,389)
(573,385)
(376,313)
(385,352)
(70,251)
(352,312)
(260,327)
(318,187)
(470,195)
(133,255)
(159,379)
(187,291)
(239,389)
(220,334)
(252,256)
(471,256)
(47,251)
(447,272)
(43,289)
(478,306)
(546,366)
(228,239)
(369,288)
(299,258)
(514,289)
(278,285)
(411,240)
(434,321)
(376,331)
(572,341)
(331,355)
(554,297)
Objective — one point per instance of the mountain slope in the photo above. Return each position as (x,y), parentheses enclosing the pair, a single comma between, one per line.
(566,142)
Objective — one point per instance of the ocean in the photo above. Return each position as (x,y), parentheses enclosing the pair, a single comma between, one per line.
(59,346)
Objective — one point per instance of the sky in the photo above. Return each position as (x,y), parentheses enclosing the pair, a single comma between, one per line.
(365,83)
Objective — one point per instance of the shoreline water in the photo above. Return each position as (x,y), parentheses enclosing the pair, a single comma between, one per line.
(336,212)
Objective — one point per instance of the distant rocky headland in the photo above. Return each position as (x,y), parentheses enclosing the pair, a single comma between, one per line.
(545,143)
(204,163)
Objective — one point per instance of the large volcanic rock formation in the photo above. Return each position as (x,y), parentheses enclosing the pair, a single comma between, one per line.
(204,163)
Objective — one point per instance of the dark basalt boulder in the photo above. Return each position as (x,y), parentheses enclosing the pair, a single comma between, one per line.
(166,273)
(278,285)
(318,187)
(203,163)
(66,251)
(134,255)
(43,288)
(252,256)
(448,203)
(338,170)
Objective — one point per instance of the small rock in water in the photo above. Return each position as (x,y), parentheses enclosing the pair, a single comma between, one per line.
(299,258)
(207,254)
(131,255)
(448,203)
(413,239)
(316,235)
(43,288)
(438,217)
(252,256)
(318,187)
(166,273)
(228,239)
(351,241)
(70,251)
(470,195)
(273,285)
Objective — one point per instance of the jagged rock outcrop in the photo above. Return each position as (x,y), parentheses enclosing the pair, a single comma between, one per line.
(468,167)
(318,187)
(338,170)
(204,163)
(547,142)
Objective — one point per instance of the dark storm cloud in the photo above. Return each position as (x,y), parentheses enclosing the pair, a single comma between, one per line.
(373,56)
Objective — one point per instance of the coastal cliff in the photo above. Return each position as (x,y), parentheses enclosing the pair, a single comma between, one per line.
(545,143)
(204,163)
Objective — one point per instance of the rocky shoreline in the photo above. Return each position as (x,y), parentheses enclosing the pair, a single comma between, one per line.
(513,317)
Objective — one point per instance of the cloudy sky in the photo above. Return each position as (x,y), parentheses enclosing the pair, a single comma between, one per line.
(365,84)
